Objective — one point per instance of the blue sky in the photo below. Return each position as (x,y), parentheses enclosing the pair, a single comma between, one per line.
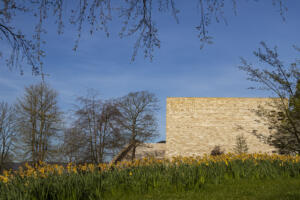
(179,68)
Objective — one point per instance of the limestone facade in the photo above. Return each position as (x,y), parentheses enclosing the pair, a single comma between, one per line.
(194,126)
(156,150)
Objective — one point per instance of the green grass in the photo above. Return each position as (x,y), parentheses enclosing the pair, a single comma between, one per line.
(271,189)
(215,179)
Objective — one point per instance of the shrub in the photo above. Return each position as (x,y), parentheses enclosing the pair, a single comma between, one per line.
(241,145)
(217,151)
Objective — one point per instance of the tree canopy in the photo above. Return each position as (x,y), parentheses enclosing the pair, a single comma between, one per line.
(283,80)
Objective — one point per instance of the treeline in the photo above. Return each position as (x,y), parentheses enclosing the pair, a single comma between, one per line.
(34,128)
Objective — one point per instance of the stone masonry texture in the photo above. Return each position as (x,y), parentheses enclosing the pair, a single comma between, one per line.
(156,150)
(194,126)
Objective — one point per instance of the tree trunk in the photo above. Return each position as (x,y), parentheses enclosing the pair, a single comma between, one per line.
(133,153)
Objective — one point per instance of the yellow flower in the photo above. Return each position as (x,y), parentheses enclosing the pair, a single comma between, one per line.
(91,167)
(83,168)
(34,174)
(4,179)
(60,170)
(69,166)
(21,174)
(42,170)
(28,166)
(5,173)
(74,170)
(130,173)
(226,162)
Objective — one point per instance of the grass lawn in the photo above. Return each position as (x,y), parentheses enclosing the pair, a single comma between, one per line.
(249,176)
(284,188)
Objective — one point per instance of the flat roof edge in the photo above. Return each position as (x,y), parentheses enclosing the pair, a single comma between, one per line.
(223,97)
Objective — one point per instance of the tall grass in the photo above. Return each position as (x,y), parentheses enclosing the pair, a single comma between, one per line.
(179,174)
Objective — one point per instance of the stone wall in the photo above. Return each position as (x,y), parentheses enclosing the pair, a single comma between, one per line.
(194,126)
(156,150)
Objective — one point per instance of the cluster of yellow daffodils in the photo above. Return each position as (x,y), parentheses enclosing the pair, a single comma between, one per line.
(43,170)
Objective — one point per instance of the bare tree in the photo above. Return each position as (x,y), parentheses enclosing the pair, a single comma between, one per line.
(241,144)
(284,82)
(138,121)
(7,121)
(38,122)
(74,146)
(137,19)
(96,120)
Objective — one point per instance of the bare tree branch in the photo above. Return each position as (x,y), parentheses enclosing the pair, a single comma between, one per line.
(136,16)
(284,82)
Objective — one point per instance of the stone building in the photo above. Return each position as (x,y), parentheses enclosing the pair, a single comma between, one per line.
(156,150)
(194,126)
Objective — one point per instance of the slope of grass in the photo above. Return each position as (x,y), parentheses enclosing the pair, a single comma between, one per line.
(271,189)
(247,176)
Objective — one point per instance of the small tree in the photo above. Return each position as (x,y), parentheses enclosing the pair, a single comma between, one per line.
(284,139)
(241,145)
(7,132)
(96,124)
(74,148)
(38,121)
(137,121)
(284,82)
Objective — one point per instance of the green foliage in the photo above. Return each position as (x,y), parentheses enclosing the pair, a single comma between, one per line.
(281,188)
(287,137)
(143,180)
(295,103)
(284,82)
